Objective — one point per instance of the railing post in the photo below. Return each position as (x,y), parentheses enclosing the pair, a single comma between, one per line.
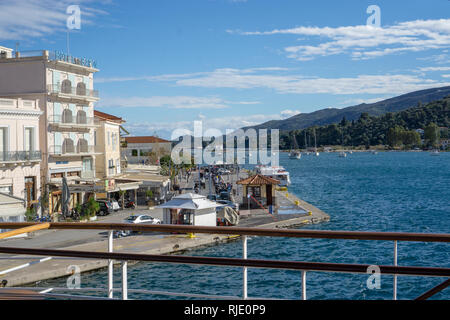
(110,265)
(244,275)
(303,285)
(124,281)
(395,264)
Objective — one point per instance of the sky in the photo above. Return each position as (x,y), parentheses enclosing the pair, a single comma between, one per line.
(233,63)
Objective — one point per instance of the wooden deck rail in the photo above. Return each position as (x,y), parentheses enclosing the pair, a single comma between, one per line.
(25,229)
(322,234)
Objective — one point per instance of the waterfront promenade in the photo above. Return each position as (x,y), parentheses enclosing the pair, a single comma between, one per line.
(290,212)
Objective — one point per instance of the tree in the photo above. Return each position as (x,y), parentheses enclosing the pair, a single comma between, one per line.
(432,134)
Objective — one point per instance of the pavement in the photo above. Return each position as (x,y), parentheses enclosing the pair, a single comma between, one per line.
(297,212)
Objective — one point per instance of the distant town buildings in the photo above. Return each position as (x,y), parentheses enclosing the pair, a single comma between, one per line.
(138,149)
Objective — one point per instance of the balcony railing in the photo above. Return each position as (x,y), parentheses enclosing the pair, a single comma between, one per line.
(11,156)
(73,120)
(79,150)
(72,91)
(87,174)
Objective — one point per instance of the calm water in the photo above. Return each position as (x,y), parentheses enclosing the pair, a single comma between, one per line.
(406,192)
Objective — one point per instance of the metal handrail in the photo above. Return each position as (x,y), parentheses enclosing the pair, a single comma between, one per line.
(323,234)
(233,262)
(244,262)
(76,91)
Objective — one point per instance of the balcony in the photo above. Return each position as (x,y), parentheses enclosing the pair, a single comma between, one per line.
(72,151)
(87,175)
(15,157)
(72,93)
(73,123)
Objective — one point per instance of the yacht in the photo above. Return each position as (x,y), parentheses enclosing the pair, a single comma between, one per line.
(316,153)
(275,172)
(295,153)
(435,152)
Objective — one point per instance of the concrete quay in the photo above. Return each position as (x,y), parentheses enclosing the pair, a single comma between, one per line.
(290,212)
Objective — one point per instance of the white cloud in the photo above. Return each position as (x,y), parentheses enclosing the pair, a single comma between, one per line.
(365,42)
(289,113)
(165,129)
(171,102)
(300,84)
(38,18)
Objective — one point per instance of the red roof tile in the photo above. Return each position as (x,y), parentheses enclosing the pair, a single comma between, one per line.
(145,139)
(258,180)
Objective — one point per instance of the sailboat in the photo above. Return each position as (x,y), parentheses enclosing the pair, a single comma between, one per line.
(306,146)
(295,154)
(435,152)
(316,153)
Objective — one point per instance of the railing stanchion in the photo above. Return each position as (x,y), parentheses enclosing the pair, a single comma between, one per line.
(244,275)
(110,265)
(124,280)
(395,264)
(303,285)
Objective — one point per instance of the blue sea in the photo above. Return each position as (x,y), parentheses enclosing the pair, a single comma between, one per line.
(389,191)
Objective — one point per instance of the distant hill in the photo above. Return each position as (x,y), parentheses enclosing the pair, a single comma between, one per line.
(334,115)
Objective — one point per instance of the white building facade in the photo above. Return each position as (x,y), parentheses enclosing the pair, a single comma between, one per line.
(64,87)
(19,149)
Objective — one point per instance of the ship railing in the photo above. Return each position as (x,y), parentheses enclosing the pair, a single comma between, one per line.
(244,263)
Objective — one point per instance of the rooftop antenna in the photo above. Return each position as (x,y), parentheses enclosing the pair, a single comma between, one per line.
(68,52)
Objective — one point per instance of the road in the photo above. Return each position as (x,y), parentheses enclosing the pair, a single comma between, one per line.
(53,239)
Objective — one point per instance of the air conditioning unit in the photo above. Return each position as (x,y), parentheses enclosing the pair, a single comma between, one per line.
(3,55)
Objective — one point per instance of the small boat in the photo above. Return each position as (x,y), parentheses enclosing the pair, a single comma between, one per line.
(295,155)
(342,154)
(435,152)
(374,152)
(275,172)
(316,153)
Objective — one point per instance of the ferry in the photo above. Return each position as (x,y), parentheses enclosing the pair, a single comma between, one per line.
(275,172)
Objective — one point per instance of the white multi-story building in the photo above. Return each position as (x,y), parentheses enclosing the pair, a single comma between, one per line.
(19,149)
(64,86)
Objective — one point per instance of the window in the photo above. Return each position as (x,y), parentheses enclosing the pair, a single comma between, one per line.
(3,142)
(118,165)
(29,139)
(134,152)
(255,191)
(109,139)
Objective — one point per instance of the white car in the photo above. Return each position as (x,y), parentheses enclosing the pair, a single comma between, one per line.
(136,219)
(142,219)
(115,205)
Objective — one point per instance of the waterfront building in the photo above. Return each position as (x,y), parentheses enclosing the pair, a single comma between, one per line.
(19,149)
(137,149)
(64,86)
(258,188)
(108,166)
(12,209)
(190,209)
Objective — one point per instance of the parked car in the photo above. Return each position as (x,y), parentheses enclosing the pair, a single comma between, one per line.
(213,197)
(114,203)
(106,207)
(142,218)
(224,171)
(227,203)
(224,195)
